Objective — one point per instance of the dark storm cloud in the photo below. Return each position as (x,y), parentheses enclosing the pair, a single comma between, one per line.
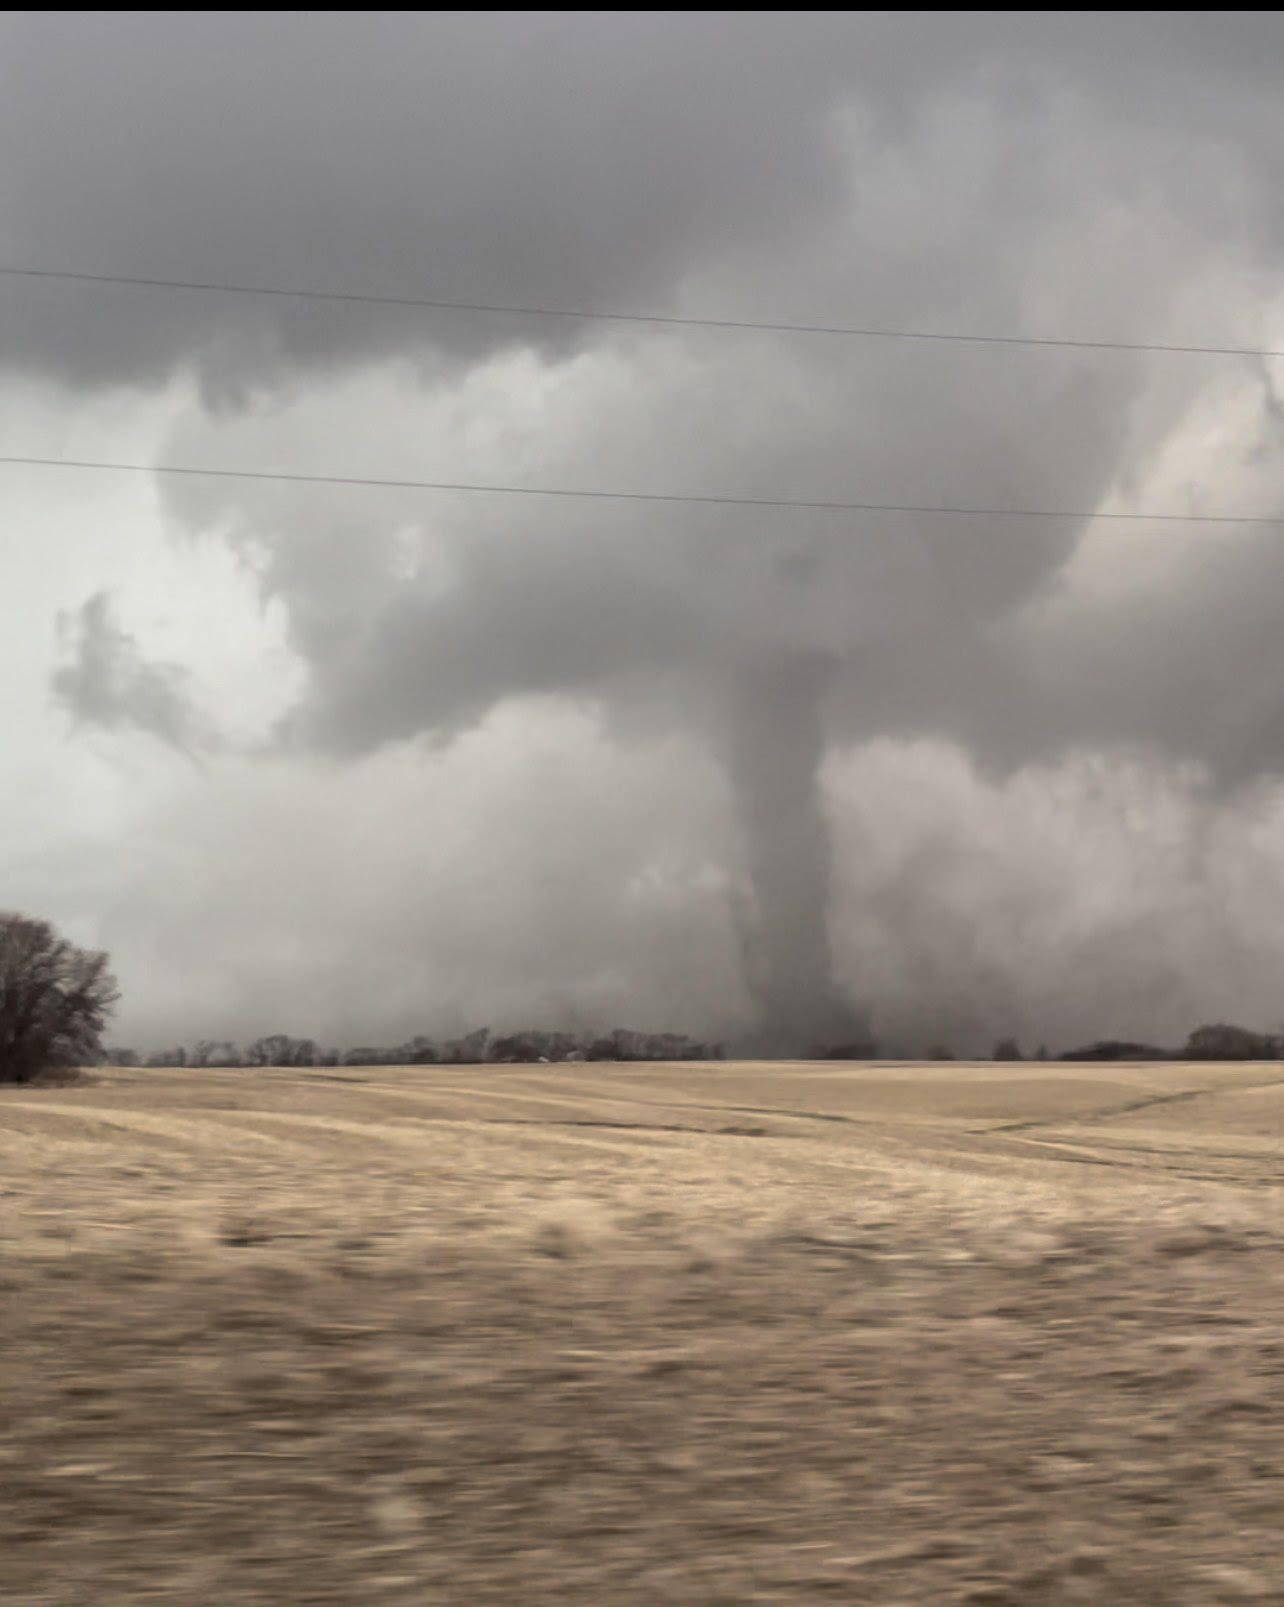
(1078,174)
(554,159)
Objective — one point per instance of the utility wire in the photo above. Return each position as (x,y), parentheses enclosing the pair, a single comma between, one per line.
(781,327)
(669,497)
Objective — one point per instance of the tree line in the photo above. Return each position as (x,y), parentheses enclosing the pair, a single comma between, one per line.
(1217,1041)
(483,1046)
(56,1000)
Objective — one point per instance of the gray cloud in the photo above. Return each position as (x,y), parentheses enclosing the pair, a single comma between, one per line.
(538,159)
(543,159)
(108,683)
(1101,176)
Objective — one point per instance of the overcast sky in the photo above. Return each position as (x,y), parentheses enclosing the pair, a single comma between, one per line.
(358,762)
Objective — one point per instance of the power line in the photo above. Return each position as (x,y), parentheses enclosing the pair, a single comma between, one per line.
(669,497)
(669,320)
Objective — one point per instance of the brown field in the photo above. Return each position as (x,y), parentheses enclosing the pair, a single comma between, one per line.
(710,1334)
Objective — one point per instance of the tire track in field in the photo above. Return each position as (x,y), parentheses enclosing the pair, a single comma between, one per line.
(195,1134)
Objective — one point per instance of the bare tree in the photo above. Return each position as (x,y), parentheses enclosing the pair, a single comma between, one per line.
(220,1053)
(1220,1041)
(55,1000)
(280,1049)
(164,1059)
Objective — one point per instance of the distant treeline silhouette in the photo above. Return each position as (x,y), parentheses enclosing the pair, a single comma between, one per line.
(476,1048)
(1219,1041)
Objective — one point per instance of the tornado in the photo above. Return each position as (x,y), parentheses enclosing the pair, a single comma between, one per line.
(775,746)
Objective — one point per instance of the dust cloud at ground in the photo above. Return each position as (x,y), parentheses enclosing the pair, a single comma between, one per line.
(885,1334)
